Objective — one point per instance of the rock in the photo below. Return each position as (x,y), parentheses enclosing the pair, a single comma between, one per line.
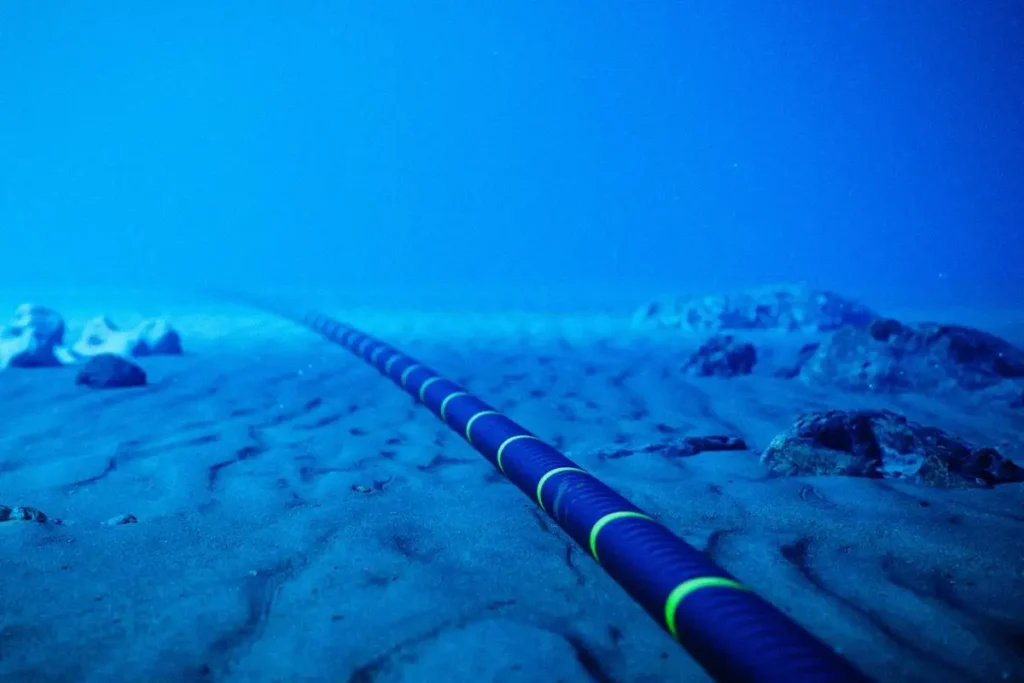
(890,357)
(883,444)
(23,514)
(722,356)
(789,308)
(156,337)
(100,335)
(151,337)
(690,445)
(122,519)
(33,338)
(110,371)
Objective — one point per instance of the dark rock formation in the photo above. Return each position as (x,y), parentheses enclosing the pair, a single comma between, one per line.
(722,356)
(109,371)
(884,444)
(24,514)
(158,338)
(790,308)
(690,445)
(890,357)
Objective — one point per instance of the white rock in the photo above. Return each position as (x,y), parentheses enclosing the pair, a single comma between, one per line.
(122,519)
(101,335)
(151,337)
(33,338)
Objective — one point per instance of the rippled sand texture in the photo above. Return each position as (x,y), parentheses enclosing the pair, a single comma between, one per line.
(300,519)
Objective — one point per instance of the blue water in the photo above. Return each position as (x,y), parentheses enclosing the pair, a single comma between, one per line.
(874,148)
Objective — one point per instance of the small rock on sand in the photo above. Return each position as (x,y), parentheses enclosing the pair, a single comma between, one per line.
(110,371)
(122,519)
(722,356)
(681,448)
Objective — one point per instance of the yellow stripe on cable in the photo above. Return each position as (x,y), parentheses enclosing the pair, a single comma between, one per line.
(469,424)
(680,592)
(444,403)
(501,448)
(423,387)
(548,475)
(611,517)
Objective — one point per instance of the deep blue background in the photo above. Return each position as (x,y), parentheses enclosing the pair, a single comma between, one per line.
(872,147)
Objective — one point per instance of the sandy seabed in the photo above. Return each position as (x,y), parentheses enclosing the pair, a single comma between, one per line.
(300,519)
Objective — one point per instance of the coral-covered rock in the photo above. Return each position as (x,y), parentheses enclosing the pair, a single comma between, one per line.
(100,335)
(722,356)
(884,444)
(33,338)
(890,357)
(791,308)
(110,371)
(151,337)
(24,514)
